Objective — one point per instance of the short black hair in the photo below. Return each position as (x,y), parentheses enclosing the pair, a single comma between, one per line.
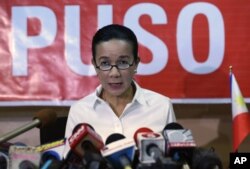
(115,31)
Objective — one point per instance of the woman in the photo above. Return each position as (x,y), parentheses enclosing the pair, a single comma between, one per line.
(119,104)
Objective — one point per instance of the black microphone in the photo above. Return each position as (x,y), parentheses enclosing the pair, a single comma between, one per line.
(4,161)
(119,151)
(43,118)
(205,159)
(4,147)
(51,164)
(27,164)
(173,126)
(50,157)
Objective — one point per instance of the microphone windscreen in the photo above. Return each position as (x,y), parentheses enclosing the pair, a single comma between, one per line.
(50,155)
(141,130)
(114,137)
(4,147)
(27,164)
(79,125)
(46,117)
(205,159)
(173,126)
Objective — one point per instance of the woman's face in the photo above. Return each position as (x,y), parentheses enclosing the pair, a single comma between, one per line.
(115,81)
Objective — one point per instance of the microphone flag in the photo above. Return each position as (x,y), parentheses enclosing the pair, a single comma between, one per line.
(23,156)
(146,141)
(118,149)
(240,114)
(181,138)
(84,135)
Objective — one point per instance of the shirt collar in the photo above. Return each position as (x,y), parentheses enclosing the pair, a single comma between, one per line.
(138,97)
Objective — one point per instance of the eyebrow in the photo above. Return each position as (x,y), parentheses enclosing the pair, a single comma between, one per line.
(103,57)
(124,56)
(120,57)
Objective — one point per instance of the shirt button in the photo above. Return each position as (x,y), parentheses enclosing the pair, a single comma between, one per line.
(118,127)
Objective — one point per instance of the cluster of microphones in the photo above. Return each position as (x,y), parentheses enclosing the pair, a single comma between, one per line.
(173,148)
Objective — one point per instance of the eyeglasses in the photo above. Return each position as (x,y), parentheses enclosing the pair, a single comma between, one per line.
(122,65)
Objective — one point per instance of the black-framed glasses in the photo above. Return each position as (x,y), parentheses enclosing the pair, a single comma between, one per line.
(120,65)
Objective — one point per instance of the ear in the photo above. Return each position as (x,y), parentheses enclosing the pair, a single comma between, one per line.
(137,61)
(93,62)
(136,64)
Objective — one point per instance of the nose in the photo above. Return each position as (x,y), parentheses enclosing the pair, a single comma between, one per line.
(114,71)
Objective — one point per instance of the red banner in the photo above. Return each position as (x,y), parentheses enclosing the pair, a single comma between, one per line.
(186,47)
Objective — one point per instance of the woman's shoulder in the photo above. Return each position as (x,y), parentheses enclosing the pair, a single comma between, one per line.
(86,100)
(150,94)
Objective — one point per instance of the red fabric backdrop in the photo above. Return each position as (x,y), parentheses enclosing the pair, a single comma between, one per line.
(186,47)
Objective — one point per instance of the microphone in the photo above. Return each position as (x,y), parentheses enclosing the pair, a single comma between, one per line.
(71,157)
(119,151)
(179,143)
(173,126)
(49,156)
(206,159)
(27,164)
(51,164)
(85,139)
(86,144)
(43,118)
(151,147)
(141,130)
(4,161)
(55,149)
(24,157)
(50,159)
(4,147)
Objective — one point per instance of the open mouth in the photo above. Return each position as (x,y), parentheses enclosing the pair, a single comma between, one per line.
(115,85)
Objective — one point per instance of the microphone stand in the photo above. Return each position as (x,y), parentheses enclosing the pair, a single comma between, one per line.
(20,130)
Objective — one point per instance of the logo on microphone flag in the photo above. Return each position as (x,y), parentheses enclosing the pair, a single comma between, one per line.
(240,114)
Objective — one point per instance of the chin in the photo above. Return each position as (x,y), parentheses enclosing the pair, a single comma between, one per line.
(117,93)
